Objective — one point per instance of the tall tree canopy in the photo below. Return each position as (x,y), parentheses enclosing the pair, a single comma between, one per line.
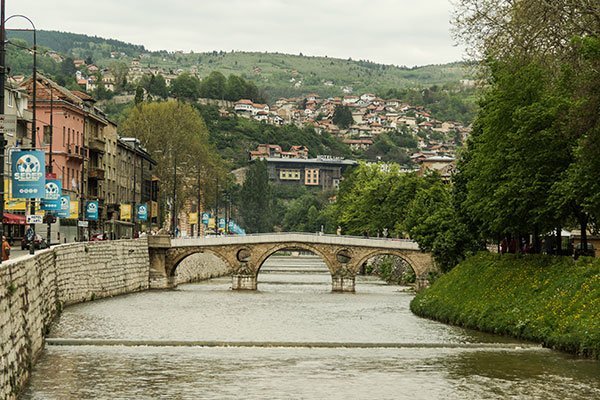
(177,138)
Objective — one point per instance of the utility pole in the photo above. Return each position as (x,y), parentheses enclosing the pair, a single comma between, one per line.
(50,170)
(33,132)
(2,143)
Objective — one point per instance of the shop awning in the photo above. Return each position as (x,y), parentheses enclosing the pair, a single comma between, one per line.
(14,219)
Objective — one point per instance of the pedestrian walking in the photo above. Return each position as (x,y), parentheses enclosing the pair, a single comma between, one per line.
(5,249)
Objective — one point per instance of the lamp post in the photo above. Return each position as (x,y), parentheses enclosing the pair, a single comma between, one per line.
(33,123)
(50,166)
(2,144)
(174,205)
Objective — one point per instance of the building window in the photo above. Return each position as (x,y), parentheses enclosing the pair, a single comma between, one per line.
(289,174)
(311,176)
(10,100)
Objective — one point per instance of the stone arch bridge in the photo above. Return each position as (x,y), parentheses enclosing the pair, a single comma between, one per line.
(244,256)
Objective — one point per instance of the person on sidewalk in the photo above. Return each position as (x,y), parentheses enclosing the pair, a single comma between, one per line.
(5,249)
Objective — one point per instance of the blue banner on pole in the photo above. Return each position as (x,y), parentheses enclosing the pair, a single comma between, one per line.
(142,212)
(91,210)
(205,218)
(53,191)
(65,207)
(28,177)
(221,223)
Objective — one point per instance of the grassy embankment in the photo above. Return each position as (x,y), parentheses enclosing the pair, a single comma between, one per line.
(552,300)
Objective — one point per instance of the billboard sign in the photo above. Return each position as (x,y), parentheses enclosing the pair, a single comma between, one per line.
(142,212)
(65,207)
(27,172)
(53,191)
(91,210)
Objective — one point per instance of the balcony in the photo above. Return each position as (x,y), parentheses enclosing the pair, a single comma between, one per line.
(97,144)
(96,173)
(75,151)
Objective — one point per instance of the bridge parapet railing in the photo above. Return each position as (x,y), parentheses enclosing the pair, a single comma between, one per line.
(349,240)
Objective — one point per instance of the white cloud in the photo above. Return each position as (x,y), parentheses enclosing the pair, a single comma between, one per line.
(402,32)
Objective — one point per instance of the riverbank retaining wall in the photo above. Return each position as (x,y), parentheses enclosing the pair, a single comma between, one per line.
(33,290)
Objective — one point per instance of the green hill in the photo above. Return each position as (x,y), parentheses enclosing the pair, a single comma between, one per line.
(279,75)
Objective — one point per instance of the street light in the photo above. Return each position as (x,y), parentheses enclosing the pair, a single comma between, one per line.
(3,22)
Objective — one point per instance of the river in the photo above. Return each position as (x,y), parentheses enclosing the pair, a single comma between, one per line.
(292,339)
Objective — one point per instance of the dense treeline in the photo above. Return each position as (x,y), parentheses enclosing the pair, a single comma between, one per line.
(532,164)
(74,44)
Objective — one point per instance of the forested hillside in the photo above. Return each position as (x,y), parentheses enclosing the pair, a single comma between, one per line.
(279,75)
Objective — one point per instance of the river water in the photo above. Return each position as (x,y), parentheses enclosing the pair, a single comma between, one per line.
(292,339)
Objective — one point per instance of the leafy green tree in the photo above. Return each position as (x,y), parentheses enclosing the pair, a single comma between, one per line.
(213,86)
(235,88)
(433,222)
(185,87)
(375,197)
(342,117)
(183,149)
(139,95)
(256,200)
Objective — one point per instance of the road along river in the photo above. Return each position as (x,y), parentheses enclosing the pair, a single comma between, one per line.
(292,339)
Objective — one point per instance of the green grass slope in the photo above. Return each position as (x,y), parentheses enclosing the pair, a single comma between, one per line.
(552,300)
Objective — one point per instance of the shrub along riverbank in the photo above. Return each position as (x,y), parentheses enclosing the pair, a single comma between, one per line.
(552,300)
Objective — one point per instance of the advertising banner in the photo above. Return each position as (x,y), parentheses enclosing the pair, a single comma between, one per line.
(205,218)
(193,218)
(125,212)
(142,212)
(28,179)
(65,207)
(74,209)
(91,210)
(53,191)
(221,223)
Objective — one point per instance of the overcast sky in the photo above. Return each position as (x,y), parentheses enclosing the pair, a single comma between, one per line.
(400,32)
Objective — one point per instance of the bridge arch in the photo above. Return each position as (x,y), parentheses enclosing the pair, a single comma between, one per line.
(416,265)
(178,258)
(292,246)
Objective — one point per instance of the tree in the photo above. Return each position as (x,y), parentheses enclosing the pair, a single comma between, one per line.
(139,95)
(213,86)
(177,138)
(256,199)
(185,87)
(342,117)
(433,222)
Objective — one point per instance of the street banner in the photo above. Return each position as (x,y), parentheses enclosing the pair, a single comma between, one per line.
(205,218)
(53,191)
(221,223)
(91,210)
(65,207)
(28,179)
(74,207)
(125,212)
(142,212)
(193,218)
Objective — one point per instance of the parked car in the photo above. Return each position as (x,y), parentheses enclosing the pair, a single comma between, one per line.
(97,237)
(38,243)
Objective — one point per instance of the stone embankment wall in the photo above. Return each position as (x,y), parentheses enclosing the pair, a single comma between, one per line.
(33,290)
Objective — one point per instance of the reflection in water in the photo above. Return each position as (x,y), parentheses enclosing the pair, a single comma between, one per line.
(291,305)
